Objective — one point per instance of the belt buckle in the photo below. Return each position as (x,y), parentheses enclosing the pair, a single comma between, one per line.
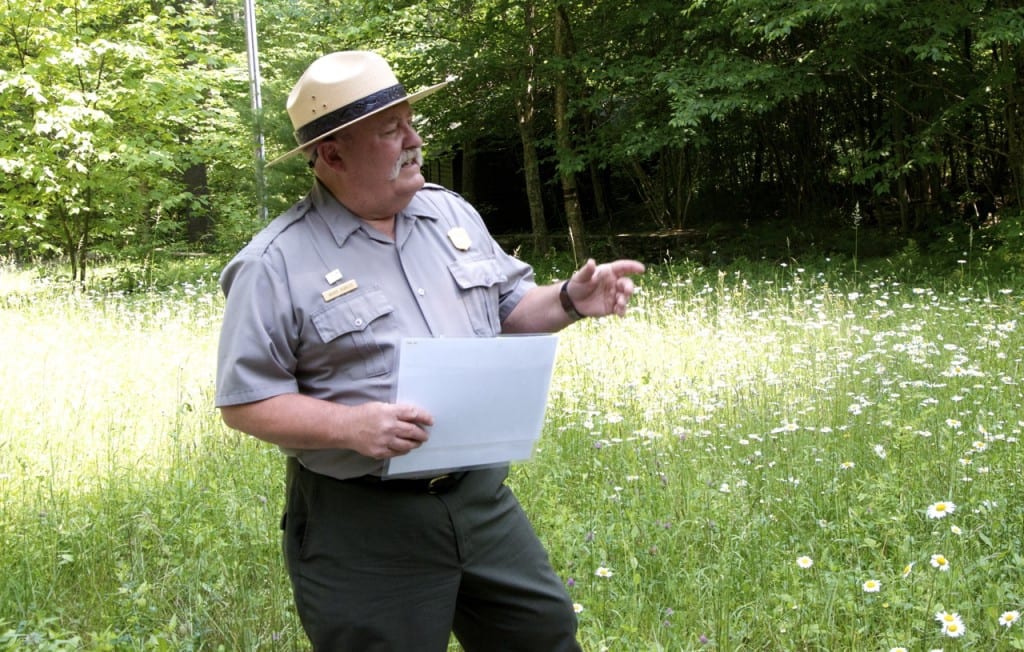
(438,484)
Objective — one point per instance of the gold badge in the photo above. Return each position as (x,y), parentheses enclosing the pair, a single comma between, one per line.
(335,292)
(459,238)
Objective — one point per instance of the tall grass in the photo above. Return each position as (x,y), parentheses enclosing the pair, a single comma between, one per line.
(735,422)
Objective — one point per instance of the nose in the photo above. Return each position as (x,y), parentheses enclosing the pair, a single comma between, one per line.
(412,137)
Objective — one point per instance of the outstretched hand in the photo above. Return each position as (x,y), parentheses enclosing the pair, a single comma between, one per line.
(605,289)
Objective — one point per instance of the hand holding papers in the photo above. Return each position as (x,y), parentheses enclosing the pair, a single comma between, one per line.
(487,397)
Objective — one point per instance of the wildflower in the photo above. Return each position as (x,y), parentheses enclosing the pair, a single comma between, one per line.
(897,649)
(953,630)
(880,451)
(724,488)
(955,530)
(577,607)
(847,465)
(940,562)
(871,586)
(1008,618)
(604,572)
(804,562)
(906,569)
(947,618)
(941,509)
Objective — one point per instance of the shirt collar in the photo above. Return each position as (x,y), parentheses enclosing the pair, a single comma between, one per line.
(343,223)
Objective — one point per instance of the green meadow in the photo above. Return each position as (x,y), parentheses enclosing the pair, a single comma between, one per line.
(758,457)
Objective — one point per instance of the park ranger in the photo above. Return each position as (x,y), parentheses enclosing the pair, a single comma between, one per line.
(316,306)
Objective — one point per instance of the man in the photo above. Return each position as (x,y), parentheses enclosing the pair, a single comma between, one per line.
(316,308)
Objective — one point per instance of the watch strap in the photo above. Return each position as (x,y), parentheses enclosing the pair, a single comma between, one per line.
(567,305)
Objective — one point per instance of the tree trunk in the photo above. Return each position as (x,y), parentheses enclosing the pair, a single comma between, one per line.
(525,107)
(467,180)
(604,213)
(198,224)
(899,136)
(534,194)
(1013,59)
(570,192)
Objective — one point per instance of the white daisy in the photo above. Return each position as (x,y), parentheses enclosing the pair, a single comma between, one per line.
(954,630)
(947,618)
(1008,618)
(941,509)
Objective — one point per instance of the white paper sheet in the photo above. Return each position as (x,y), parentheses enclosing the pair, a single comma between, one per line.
(487,397)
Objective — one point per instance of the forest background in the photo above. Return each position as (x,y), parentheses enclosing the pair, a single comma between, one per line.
(758,128)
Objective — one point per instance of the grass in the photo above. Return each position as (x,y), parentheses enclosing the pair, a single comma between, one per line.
(737,421)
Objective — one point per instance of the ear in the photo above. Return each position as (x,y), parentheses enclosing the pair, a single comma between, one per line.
(329,153)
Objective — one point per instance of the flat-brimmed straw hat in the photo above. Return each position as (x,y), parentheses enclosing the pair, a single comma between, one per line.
(340,89)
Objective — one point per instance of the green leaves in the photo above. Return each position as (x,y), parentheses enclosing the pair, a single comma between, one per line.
(103,113)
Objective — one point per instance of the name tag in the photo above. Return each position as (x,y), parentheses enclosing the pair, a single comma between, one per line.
(335,292)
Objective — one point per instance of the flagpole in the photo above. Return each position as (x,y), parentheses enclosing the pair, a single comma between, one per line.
(256,101)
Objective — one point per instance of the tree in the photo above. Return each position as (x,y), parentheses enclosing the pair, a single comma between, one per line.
(106,105)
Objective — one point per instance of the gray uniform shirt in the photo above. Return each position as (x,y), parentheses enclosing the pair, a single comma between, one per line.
(318,301)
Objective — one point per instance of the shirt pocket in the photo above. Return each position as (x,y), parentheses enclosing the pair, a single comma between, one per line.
(354,332)
(479,282)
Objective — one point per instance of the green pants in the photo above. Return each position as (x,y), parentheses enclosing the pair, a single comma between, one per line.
(374,569)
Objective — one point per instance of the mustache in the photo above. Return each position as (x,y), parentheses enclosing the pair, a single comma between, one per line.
(411,155)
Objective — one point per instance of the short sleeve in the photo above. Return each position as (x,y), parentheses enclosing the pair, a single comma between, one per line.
(256,353)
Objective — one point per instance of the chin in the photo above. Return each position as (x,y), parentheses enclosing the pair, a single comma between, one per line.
(409,187)
(416,180)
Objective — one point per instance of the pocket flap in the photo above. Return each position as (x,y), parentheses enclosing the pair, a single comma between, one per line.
(350,314)
(479,272)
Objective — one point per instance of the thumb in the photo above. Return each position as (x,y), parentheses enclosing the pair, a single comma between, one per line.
(585,273)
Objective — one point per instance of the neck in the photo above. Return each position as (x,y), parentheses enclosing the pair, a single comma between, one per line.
(384,225)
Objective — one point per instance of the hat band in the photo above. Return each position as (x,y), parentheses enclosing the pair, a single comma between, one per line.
(340,117)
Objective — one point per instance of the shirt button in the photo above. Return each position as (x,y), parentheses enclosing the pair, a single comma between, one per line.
(421,292)
(358,322)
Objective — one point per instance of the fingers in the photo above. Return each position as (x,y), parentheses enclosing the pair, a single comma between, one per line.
(624,292)
(613,271)
(414,415)
(620,268)
(400,446)
(408,431)
(384,430)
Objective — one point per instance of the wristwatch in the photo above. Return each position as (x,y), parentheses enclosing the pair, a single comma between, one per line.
(567,305)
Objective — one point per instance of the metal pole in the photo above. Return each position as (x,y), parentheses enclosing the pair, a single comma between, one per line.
(256,101)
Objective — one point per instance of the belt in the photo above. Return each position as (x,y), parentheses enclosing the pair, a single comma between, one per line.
(440,484)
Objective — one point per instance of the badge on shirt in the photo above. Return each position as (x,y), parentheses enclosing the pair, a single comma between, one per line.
(333,276)
(339,290)
(459,238)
